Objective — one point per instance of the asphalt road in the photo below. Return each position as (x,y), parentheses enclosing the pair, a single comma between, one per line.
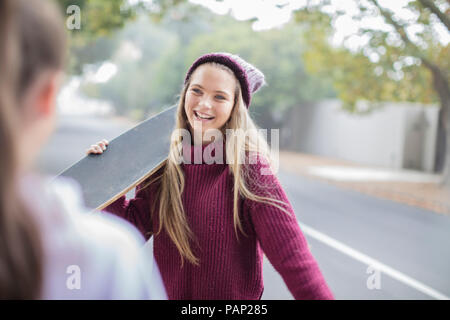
(412,244)
(347,231)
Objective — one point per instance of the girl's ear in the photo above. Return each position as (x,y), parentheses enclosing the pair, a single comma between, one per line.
(46,98)
(40,98)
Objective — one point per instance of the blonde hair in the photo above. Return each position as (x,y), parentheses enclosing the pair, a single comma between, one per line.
(238,148)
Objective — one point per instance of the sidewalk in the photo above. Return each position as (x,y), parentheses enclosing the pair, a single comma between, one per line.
(405,186)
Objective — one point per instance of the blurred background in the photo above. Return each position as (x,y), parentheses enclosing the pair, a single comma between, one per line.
(358,89)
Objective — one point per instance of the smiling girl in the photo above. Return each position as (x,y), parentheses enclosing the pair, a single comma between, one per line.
(220,217)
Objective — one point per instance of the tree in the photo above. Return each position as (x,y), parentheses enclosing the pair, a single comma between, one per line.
(93,41)
(150,82)
(100,19)
(154,80)
(143,83)
(394,65)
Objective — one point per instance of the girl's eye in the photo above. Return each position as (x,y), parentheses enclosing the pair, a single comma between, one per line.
(196,90)
(220,97)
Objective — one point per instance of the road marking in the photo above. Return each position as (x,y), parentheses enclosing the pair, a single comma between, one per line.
(373,262)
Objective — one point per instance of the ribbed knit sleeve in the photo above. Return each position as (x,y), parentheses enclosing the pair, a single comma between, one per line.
(136,210)
(282,240)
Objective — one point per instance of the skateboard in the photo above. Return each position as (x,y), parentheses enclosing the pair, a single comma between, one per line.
(128,160)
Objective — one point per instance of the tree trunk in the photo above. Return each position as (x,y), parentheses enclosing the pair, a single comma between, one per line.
(446,172)
(441,145)
(441,85)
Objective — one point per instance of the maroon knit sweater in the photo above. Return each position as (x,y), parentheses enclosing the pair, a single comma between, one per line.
(230,268)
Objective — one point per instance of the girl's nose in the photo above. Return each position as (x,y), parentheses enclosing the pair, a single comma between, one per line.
(206,103)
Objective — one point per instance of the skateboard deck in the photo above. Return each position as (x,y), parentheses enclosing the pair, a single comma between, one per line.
(128,160)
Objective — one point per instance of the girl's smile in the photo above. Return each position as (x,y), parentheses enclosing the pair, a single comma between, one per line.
(202,116)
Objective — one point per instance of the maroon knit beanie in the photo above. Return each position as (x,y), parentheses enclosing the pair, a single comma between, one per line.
(250,78)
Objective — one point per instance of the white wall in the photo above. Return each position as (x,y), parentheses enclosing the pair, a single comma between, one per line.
(394,136)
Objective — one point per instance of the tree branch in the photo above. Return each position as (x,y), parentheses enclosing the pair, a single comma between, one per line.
(440,81)
(389,19)
(401,31)
(441,15)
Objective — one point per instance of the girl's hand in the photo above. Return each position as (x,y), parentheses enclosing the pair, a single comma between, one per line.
(98,148)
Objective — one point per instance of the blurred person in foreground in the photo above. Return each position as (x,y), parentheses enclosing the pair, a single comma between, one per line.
(50,246)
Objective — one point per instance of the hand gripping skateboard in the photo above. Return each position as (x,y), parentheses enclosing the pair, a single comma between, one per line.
(128,160)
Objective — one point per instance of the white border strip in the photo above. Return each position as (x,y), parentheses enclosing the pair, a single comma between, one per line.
(372,262)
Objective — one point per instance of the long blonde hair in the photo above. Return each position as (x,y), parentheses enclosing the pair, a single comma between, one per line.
(238,148)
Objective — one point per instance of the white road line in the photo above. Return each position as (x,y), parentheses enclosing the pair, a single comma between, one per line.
(372,262)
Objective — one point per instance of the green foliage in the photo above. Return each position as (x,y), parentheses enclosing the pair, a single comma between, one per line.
(99,20)
(388,68)
(168,48)
(99,17)
(144,82)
